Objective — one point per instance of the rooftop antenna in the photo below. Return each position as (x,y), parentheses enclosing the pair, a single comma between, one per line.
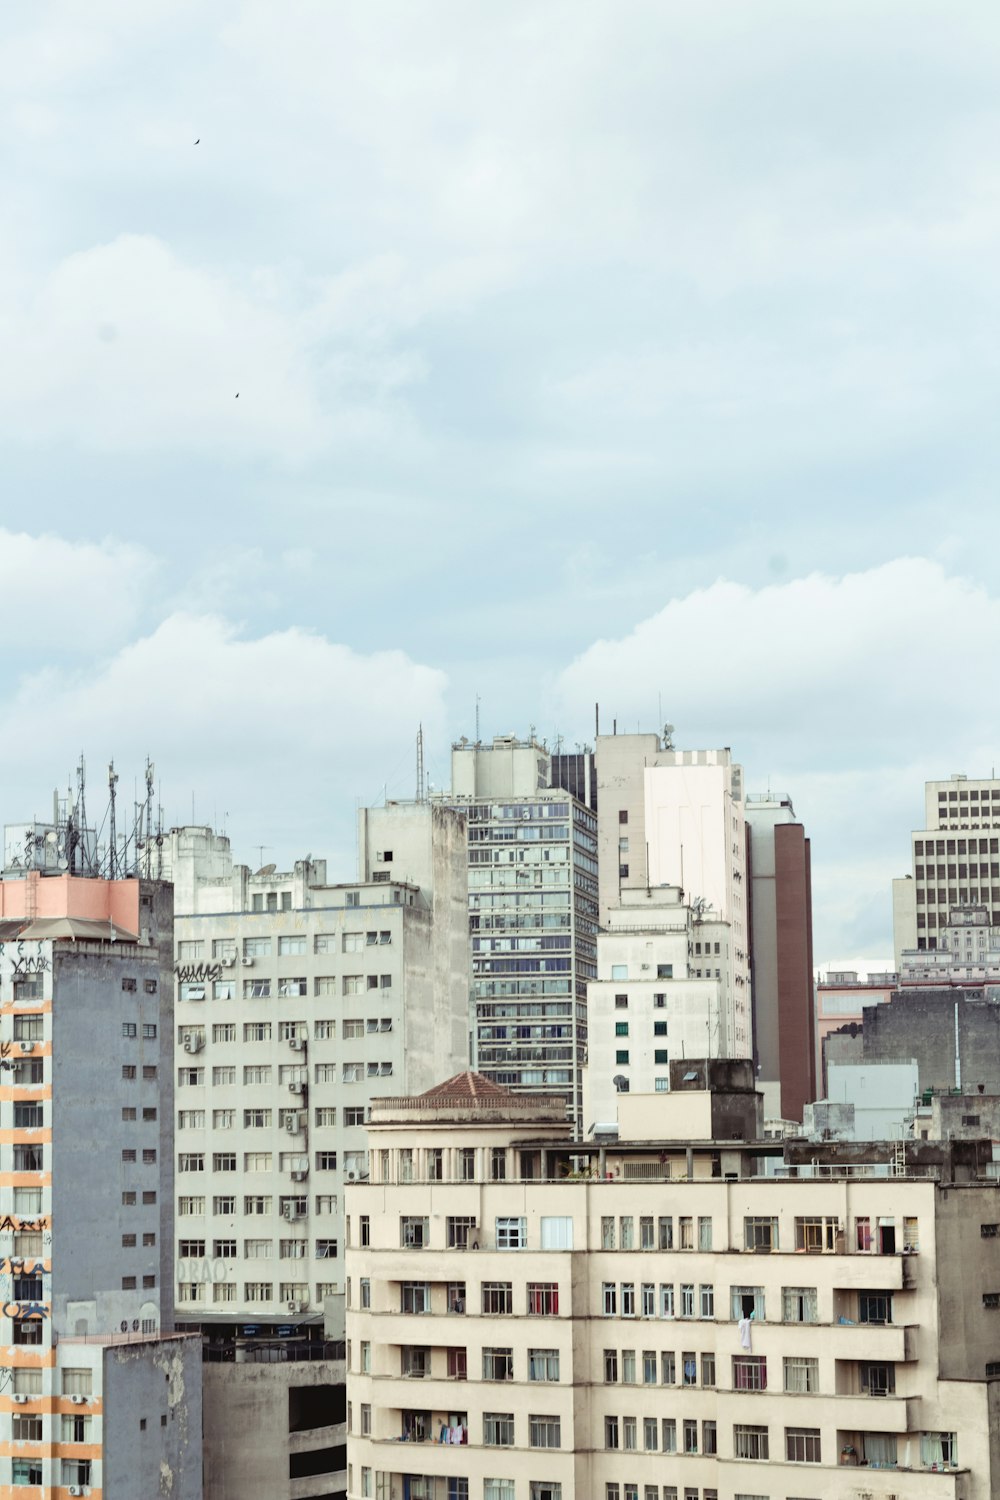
(112,835)
(477,718)
(260,854)
(150,773)
(668,736)
(421,779)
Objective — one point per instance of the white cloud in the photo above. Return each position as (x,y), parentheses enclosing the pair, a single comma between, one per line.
(64,596)
(125,346)
(281,731)
(846,692)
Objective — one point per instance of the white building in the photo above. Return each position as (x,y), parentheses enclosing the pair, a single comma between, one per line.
(298,1002)
(657,996)
(677,817)
(955,861)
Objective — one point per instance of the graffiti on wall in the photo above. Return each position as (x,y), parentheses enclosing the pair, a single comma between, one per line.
(197,973)
(23,1312)
(8,1225)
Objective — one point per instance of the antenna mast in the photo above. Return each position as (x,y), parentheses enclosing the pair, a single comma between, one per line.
(421,780)
(112,834)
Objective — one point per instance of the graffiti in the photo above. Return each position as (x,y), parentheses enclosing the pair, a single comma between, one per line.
(197,973)
(8,1224)
(5,1377)
(202,1269)
(22,967)
(24,1312)
(12,1265)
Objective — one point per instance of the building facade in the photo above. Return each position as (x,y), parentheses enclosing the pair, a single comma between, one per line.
(677,1314)
(781,955)
(100,1397)
(532,917)
(955,861)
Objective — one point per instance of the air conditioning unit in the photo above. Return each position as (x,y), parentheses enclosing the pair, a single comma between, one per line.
(78,1400)
(19,1398)
(294,1307)
(27,1046)
(292,1126)
(300,1176)
(289,1211)
(75,1489)
(248,962)
(296,1088)
(297,1043)
(192,1044)
(229,961)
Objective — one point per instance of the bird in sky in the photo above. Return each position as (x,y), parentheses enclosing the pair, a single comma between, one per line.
(198,141)
(237,397)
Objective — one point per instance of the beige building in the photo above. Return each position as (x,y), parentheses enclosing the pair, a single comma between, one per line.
(688,1312)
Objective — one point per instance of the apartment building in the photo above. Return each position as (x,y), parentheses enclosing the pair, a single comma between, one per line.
(99,1396)
(298,1002)
(657,996)
(684,1312)
(677,817)
(532,872)
(955,861)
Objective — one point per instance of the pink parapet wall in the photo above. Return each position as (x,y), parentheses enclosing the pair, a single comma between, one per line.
(114,901)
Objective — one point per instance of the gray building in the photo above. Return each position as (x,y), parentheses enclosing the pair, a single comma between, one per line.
(532,853)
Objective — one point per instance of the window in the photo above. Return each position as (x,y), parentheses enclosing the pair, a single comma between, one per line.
(749,1372)
(647,1302)
(225,1031)
(609,1299)
(129,1028)
(628,1299)
(257,1161)
(802,1445)
(511,1234)
(257,1073)
(747,1302)
(876,1307)
(498,1164)
(543,1299)
(497,1489)
(27,1429)
(191,1161)
(704,1234)
(459,1231)
(415,1296)
(26,1471)
(690,1436)
(224,1161)
(709,1438)
(326,1161)
(760,1234)
(668,1435)
(77,1381)
(815,1234)
(621,1028)
(414,1232)
(750,1442)
(666,1299)
(543,1364)
(498,1429)
(188,1206)
(708,1370)
(256,1031)
(498,1364)
(798,1304)
(148,1030)
(621,1056)
(706,1301)
(939,1448)
(611,1438)
(650,1434)
(665,1229)
(497,1298)
(222,1119)
(687,1301)
(877,1379)
(608,1232)
(685,1227)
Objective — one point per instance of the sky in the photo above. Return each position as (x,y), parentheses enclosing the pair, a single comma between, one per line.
(545,353)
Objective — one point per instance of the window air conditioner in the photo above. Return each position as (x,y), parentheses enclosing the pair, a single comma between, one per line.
(27,1046)
(17,1396)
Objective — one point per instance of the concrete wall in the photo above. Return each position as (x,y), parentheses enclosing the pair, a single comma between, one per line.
(159,1385)
(882,1095)
(505,768)
(922,1024)
(249,1443)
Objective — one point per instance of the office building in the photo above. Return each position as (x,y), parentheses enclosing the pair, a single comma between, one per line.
(683,1311)
(781,955)
(100,1396)
(532,852)
(955,861)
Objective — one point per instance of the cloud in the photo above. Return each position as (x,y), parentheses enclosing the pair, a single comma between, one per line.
(126,347)
(845,692)
(64,596)
(282,732)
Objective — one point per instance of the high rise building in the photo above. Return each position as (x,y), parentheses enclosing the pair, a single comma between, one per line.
(101,1396)
(676,817)
(686,1311)
(657,997)
(781,956)
(532,852)
(299,1001)
(955,861)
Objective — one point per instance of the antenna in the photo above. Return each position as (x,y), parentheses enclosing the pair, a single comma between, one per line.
(112,837)
(477,718)
(421,781)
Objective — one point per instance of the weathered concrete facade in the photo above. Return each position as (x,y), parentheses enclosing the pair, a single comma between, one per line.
(275,1430)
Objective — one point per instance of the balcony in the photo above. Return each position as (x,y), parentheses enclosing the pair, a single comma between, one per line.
(890,1343)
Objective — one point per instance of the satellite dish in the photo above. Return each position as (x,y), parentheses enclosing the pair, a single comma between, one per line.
(52,837)
(620,1082)
(64,863)
(267,870)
